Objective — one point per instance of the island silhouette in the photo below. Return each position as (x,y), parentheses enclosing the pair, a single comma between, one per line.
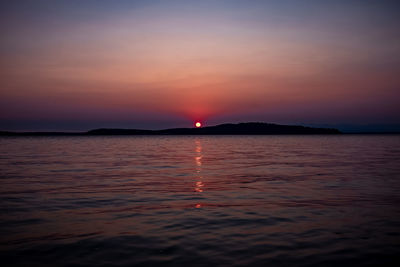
(248,128)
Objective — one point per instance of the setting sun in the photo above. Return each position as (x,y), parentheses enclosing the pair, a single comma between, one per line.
(197,124)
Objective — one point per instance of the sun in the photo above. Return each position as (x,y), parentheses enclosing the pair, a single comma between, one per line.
(197,124)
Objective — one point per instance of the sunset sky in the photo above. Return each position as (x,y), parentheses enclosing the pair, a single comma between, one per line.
(78,65)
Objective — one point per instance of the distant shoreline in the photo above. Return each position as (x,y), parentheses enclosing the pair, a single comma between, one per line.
(81,134)
(249,128)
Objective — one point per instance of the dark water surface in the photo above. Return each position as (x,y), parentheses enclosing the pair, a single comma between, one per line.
(223,200)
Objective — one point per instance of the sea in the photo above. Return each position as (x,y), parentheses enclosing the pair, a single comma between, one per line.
(290,200)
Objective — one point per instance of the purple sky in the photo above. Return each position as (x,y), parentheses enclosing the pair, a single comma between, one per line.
(78,65)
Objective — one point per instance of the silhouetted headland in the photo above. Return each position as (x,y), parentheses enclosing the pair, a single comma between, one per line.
(250,128)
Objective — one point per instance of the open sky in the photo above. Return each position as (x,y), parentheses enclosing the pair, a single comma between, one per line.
(78,65)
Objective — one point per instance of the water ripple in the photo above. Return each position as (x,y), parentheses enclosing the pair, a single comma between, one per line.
(196,201)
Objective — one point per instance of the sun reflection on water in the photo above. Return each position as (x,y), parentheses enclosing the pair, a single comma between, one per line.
(199,185)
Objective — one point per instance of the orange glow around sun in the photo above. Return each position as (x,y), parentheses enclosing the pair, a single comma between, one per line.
(197,124)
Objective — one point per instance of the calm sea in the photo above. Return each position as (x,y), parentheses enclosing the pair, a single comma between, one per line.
(196,201)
